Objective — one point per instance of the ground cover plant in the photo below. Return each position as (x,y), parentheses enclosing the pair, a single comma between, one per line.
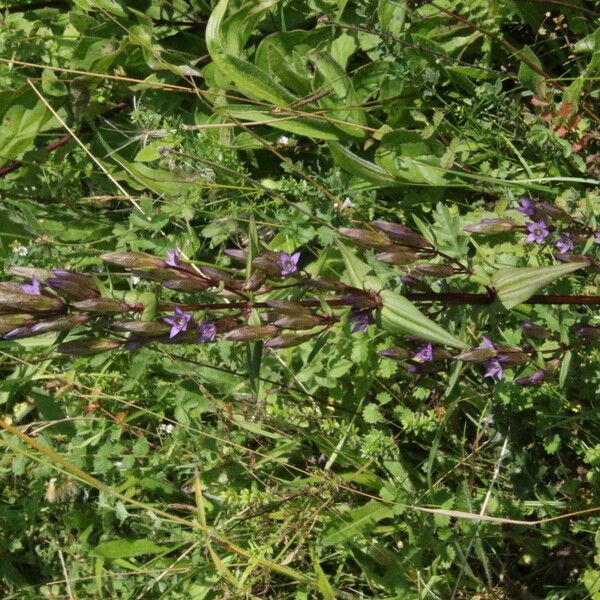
(299,299)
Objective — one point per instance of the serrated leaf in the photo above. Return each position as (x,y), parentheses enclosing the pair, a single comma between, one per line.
(515,286)
(399,315)
(355,522)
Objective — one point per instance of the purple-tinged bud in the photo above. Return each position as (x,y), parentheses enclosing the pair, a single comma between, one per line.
(365,237)
(251,333)
(30,273)
(397,258)
(289,340)
(403,234)
(19,332)
(554,212)
(10,302)
(297,322)
(216,276)
(324,283)
(10,322)
(225,324)
(134,260)
(88,346)
(535,331)
(534,379)
(570,257)
(74,285)
(102,306)
(477,355)
(513,357)
(492,226)
(187,285)
(287,307)
(432,270)
(395,353)
(359,299)
(417,284)
(11,287)
(239,255)
(255,280)
(268,263)
(60,324)
(587,332)
(150,328)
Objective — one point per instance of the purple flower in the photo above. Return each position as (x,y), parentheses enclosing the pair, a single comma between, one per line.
(287,263)
(32,289)
(494,369)
(597,237)
(208,332)
(361,322)
(538,232)
(173,258)
(425,354)
(179,321)
(533,379)
(526,206)
(487,343)
(564,244)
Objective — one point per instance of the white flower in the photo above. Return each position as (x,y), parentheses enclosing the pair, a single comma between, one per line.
(21,251)
(283,140)
(134,280)
(166,427)
(118,464)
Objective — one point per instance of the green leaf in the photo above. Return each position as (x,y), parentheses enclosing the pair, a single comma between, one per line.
(127,548)
(355,522)
(530,78)
(356,269)
(323,584)
(399,315)
(515,286)
(391,14)
(360,167)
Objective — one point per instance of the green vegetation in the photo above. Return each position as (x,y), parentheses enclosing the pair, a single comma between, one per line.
(405,409)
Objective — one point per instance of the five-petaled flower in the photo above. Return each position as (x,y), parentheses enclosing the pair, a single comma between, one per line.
(564,244)
(360,322)
(288,263)
(538,232)
(494,369)
(173,258)
(208,332)
(32,289)
(526,206)
(179,321)
(425,354)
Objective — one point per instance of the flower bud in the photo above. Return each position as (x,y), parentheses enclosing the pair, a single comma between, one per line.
(324,283)
(239,255)
(134,260)
(535,331)
(491,226)
(75,285)
(287,307)
(88,346)
(10,287)
(432,270)
(301,321)
(102,306)
(251,333)
(19,332)
(217,276)
(30,273)
(395,353)
(10,302)
(476,355)
(225,324)
(187,285)
(417,284)
(60,324)
(534,379)
(365,237)
(403,234)
(10,322)
(268,262)
(554,212)
(142,327)
(359,299)
(513,357)
(570,257)
(397,258)
(255,280)
(289,340)
(587,332)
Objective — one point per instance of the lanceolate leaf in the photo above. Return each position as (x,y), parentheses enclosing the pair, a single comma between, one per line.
(515,286)
(399,315)
(355,522)
(360,167)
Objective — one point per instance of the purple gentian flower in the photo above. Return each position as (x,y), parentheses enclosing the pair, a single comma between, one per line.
(361,322)
(179,321)
(494,369)
(564,244)
(538,232)
(425,354)
(32,289)
(173,257)
(526,206)
(597,237)
(486,343)
(208,332)
(287,263)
